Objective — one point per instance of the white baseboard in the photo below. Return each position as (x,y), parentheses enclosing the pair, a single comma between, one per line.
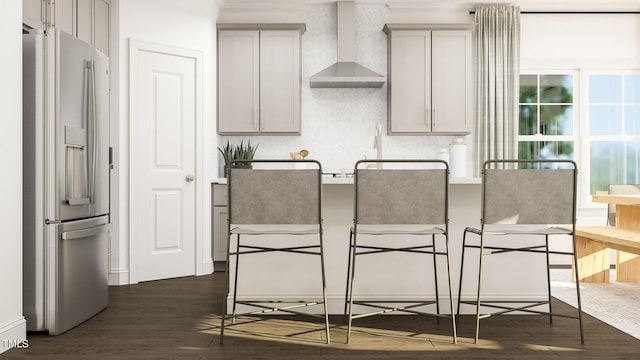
(119,276)
(207,267)
(14,335)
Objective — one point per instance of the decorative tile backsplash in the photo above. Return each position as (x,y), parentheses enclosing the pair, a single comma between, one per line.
(338,125)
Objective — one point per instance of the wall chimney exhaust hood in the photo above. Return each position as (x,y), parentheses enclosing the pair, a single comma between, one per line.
(346,73)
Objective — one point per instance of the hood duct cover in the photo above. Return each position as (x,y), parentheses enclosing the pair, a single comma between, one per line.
(346,73)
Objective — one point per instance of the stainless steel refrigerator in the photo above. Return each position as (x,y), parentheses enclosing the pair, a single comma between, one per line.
(66,180)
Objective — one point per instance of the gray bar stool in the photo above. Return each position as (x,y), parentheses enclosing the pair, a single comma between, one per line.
(520,200)
(276,199)
(402,200)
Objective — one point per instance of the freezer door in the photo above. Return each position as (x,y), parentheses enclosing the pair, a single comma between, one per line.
(81,125)
(77,273)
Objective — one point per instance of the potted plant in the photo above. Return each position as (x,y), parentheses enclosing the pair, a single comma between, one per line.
(227,154)
(244,152)
(238,152)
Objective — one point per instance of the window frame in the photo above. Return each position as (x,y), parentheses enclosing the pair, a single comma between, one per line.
(583,200)
(581,138)
(586,137)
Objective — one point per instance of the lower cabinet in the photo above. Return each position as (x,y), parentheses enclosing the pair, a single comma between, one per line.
(219,215)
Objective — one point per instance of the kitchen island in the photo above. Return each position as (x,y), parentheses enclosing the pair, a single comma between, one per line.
(392,276)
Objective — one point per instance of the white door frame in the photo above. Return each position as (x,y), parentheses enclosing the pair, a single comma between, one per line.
(203,262)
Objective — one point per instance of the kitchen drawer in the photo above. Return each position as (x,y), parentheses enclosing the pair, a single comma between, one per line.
(220,195)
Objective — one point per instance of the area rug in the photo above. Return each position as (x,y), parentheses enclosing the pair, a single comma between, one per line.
(614,303)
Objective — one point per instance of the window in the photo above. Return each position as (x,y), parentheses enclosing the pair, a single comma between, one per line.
(546,121)
(614,129)
(602,133)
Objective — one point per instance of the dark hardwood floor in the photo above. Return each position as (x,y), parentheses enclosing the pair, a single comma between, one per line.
(179,319)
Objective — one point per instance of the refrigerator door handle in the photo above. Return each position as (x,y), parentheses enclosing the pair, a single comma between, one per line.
(89,143)
(93,115)
(77,234)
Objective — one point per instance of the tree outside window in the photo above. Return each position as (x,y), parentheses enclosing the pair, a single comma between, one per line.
(546,119)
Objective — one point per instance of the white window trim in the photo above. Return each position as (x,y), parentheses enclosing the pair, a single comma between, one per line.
(581,138)
(584,199)
(586,139)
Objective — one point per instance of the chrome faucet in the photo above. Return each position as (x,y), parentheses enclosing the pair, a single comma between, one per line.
(377,144)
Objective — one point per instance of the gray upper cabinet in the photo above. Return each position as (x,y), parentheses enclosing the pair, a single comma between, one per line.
(33,13)
(37,13)
(87,20)
(259,79)
(101,19)
(65,16)
(429,80)
(84,20)
(92,23)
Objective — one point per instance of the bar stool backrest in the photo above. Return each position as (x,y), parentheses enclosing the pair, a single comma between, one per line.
(275,196)
(545,195)
(401,196)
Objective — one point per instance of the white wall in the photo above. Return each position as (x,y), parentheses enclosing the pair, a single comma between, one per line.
(12,323)
(188,24)
(338,125)
(580,41)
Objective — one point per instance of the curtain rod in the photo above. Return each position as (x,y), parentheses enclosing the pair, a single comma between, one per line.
(575,12)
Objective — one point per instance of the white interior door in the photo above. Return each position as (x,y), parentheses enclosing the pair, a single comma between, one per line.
(165,213)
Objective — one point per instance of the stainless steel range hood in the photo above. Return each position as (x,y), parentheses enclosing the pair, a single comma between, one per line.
(346,73)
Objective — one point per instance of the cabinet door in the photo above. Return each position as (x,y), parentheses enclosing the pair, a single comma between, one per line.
(451,81)
(85,21)
(410,82)
(101,27)
(65,16)
(219,222)
(280,81)
(32,11)
(219,230)
(238,81)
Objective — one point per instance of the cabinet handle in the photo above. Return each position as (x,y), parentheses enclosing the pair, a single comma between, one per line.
(433,118)
(255,118)
(427,117)
(50,13)
(261,118)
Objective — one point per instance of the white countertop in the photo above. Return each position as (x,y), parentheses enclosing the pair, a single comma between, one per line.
(327,180)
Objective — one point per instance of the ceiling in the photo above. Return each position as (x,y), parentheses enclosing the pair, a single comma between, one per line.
(531,5)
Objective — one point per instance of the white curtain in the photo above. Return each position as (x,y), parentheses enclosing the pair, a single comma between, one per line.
(497,82)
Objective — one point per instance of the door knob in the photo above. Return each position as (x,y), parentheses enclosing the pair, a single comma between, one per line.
(190,178)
